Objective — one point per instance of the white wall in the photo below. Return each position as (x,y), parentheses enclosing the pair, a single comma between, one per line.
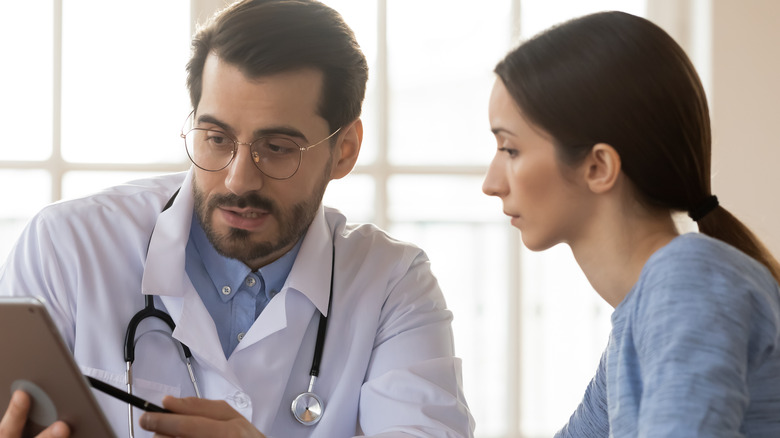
(745,101)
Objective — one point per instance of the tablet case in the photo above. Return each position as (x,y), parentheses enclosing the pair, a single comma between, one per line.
(35,359)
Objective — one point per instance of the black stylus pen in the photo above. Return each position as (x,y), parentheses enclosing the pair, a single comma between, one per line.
(125,397)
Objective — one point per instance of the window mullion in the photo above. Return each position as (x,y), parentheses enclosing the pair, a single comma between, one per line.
(56,162)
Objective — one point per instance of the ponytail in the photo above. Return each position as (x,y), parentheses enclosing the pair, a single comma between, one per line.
(722,225)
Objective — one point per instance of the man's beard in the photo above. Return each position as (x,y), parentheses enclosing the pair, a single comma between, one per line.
(236,243)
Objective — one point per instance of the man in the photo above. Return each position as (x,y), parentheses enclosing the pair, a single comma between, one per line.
(243,257)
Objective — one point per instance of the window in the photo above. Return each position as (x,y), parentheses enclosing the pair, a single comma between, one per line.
(95,96)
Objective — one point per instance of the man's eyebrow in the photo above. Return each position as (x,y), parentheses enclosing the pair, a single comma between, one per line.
(288,131)
(205,118)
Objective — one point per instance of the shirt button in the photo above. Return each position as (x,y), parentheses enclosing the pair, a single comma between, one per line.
(226,290)
(241,400)
(250,281)
(240,336)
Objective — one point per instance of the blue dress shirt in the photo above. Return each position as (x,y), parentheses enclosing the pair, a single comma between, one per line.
(233,294)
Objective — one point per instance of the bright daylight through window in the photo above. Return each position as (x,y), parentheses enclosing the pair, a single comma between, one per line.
(101,101)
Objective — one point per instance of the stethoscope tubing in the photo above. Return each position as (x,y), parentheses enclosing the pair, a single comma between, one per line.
(307,407)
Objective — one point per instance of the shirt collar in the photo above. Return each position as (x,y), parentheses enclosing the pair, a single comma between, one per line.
(232,272)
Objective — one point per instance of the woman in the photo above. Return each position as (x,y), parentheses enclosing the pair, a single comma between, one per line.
(603,133)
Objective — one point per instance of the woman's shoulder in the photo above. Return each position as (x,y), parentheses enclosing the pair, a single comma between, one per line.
(696,256)
(697,268)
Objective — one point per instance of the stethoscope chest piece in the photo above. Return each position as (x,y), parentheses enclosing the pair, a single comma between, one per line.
(307,408)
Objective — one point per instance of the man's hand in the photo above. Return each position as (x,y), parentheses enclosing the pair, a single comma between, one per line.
(12,424)
(194,418)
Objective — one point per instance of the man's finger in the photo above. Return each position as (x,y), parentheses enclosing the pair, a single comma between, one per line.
(214,409)
(15,416)
(12,424)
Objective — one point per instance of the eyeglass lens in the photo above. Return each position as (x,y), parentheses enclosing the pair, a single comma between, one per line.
(276,157)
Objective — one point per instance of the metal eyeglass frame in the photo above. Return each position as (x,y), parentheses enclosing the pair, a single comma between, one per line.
(236,143)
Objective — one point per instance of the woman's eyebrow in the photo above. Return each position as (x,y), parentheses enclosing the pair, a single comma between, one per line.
(499,131)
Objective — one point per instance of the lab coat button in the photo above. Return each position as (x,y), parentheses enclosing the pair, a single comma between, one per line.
(226,290)
(250,281)
(242,400)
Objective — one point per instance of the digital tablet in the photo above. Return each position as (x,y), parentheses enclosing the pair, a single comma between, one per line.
(35,359)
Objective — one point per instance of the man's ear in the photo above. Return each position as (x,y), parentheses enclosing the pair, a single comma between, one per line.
(602,168)
(346,152)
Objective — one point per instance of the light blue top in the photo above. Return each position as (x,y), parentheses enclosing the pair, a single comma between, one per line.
(694,350)
(233,294)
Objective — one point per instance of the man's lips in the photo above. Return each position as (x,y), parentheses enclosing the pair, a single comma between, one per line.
(243,218)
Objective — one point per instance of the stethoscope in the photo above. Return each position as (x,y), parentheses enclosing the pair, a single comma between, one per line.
(307,407)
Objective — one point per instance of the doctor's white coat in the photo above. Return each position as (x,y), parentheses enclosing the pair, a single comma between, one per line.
(388,367)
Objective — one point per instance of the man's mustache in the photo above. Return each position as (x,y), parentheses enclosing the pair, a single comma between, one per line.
(251,200)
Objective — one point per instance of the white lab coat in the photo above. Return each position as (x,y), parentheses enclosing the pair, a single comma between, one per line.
(388,367)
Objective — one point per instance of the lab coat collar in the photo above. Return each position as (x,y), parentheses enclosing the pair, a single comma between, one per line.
(310,275)
(165,274)
(164,271)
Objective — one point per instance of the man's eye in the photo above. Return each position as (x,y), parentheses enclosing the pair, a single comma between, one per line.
(279,146)
(217,139)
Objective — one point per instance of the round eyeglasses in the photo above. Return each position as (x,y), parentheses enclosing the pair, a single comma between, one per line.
(212,150)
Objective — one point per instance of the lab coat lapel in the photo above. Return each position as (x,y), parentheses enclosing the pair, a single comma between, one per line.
(311,273)
(309,277)
(269,350)
(265,357)
(195,328)
(165,275)
(166,252)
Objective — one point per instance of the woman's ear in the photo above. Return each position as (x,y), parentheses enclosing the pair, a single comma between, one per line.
(347,151)
(602,168)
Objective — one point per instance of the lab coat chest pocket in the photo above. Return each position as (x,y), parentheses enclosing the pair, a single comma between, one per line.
(116,410)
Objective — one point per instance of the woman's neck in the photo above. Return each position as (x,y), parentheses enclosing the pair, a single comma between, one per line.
(614,251)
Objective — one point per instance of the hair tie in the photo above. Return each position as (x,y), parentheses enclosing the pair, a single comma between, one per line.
(704,208)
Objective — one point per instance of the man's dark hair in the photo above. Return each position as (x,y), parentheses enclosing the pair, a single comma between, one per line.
(265,37)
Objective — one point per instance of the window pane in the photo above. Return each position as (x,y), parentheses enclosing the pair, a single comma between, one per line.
(446,198)
(564,327)
(459,229)
(538,15)
(82,183)
(26,80)
(469,260)
(361,16)
(20,205)
(354,196)
(564,324)
(123,92)
(440,59)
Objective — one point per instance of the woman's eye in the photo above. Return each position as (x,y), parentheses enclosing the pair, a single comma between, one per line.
(509,151)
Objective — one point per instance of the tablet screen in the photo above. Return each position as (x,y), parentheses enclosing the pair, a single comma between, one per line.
(36,360)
